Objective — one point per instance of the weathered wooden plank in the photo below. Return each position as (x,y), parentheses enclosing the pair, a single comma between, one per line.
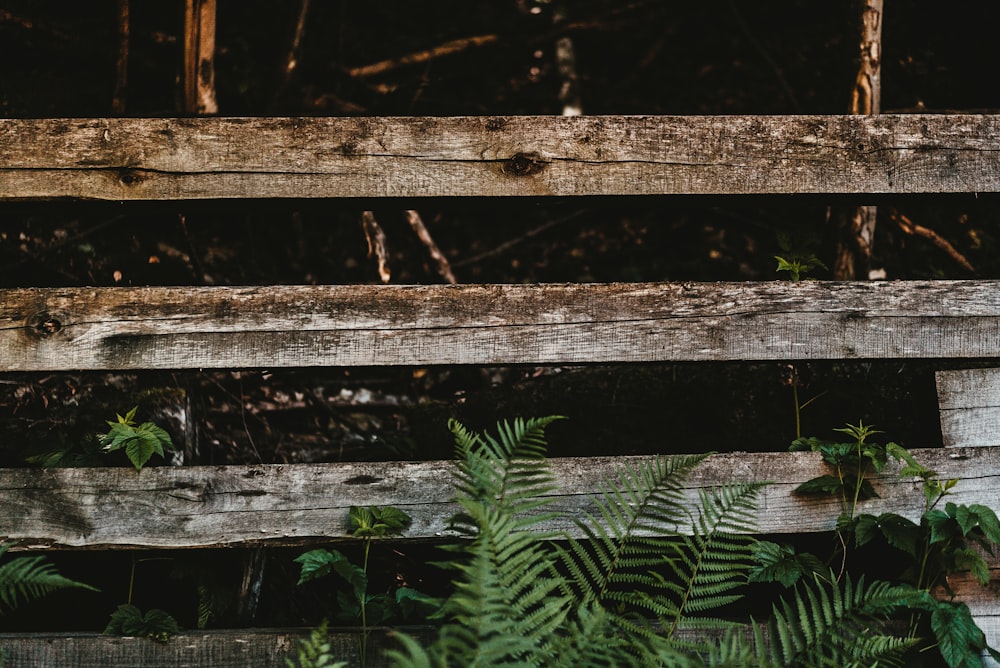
(192,507)
(213,158)
(969,405)
(259,648)
(302,326)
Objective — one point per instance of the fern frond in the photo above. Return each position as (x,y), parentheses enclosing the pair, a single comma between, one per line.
(509,471)
(826,623)
(638,510)
(28,578)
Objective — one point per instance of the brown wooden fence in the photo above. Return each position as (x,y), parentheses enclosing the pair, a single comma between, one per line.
(305,326)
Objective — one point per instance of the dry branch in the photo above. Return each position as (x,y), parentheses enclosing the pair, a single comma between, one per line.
(446,49)
(199,57)
(443,267)
(376,244)
(856,229)
(294,52)
(121,62)
(911,228)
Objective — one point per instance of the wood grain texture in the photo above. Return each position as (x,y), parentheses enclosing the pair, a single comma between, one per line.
(259,648)
(200,507)
(222,158)
(304,326)
(969,407)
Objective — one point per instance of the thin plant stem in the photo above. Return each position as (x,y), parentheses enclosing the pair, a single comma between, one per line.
(131,581)
(363,602)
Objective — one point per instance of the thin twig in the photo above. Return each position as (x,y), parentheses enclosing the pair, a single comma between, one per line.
(569,91)
(779,76)
(376,244)
(507,245)
(448,48)
(911,228)
(246,427)
(418,226)
(196,266)
(121,63)
(294,52)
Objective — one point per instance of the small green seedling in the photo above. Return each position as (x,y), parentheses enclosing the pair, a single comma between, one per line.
(140,442)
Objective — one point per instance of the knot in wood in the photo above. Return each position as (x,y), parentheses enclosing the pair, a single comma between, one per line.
(523,164)
(129,177)
(43,324)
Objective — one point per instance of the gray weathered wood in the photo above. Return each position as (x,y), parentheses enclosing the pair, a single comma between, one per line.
(301,326)
(180,507)
(969,405)
(259,648)
(214,158)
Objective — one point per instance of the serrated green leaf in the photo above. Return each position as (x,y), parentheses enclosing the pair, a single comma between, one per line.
(943,527)
(866,529)
(780,563)
(414,604)
(321,562)
(361,519)
(900,532)
(824,484)
(807,444)
(959,639)
(395,519)
(128,620)
(980,516)
(129,418)
(139,450)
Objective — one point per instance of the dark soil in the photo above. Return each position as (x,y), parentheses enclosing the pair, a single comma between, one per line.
(714,57)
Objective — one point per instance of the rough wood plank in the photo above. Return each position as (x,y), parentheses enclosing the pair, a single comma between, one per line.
(969,405)
(302,326)
(212,158)
(259,648)
(181,507)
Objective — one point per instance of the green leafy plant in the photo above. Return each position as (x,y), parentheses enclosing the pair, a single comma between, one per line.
(140,441)
(24,579)
(794,260)
(367,523)
(315,651)
(831,623)
(943,541)
(639,570)
(128,620)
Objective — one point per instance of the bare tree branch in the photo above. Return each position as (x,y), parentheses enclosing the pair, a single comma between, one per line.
(376,244)
(424,235)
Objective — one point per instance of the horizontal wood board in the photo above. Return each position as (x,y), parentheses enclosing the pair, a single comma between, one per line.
(261,648)
(969,406)
(359,325)
(222,158)
(228,506)
(258,648)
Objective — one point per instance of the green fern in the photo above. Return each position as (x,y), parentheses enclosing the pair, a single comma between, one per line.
(507,602)
(315,651)
(645,568)
(28,578)
(830,623)
(647,556)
